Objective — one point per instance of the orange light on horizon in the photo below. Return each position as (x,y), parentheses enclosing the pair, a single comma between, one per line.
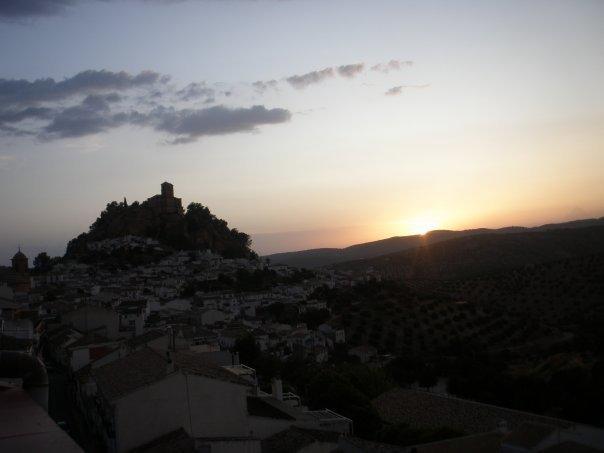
(422,225)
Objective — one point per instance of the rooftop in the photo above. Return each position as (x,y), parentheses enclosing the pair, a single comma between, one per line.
(174,442)
(125,375)
(145,367)
(25,426)
(420,409)
(295,439)
(146,337)
(528,435)
(261,407)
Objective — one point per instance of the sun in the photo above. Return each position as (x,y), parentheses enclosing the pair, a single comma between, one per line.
(422,225)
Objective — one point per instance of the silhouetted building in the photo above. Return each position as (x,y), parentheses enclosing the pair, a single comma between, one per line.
(20,262)
(166,202)
(18,278)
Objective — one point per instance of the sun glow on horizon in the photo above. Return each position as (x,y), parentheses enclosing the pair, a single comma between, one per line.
(422,225)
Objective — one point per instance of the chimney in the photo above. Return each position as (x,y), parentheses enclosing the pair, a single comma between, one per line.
(277,388)
(171,338)
(169,363)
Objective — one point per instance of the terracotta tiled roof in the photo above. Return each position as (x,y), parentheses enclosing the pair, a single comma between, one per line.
(174,442)
(421,409)
(146,337)
(477,443)
(89,339)
(571,447)
(200,365)
(125,375)
(145,367)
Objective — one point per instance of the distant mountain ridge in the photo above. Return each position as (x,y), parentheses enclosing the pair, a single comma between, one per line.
(329,256)
(484,254)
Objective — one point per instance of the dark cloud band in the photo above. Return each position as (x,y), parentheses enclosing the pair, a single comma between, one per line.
(18,9)
(188,125)
(310,78)
(351,70)
(24,92)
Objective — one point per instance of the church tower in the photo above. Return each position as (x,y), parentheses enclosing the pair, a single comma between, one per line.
(19,279)
(20,262)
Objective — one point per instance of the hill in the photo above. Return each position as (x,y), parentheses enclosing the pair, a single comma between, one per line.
(328,256)
(195,229)
(484,254)
(543,306)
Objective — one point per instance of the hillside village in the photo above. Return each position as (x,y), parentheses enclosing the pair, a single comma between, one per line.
(121,333)
(236,354)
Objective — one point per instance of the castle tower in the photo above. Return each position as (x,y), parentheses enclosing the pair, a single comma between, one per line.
(167,190)
(166,202)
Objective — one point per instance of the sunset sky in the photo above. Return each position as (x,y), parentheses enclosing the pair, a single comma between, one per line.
(304,123)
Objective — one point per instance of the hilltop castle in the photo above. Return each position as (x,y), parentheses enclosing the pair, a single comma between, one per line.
(166,202)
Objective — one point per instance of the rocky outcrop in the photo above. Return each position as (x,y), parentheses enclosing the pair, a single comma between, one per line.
(196,229)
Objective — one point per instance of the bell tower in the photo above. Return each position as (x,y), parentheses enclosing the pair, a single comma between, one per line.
(20,262)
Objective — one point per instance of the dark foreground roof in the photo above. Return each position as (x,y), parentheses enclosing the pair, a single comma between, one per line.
(146,366)
(570,447)
(203,365)
(477,443)
(174,442)
(125,375)
(528,435)
(421,409)
(259,407)
(26,427)
(293,439)
(145,338)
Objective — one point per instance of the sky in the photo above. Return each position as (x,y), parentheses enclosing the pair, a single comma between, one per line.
(303,123)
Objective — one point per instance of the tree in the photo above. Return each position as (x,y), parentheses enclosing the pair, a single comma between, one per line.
(266,365)
(330,388)
(248,350)
(314,318)
(42,262)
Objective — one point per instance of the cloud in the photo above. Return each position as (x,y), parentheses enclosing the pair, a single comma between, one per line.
(23,92)
(395,91)
(93,102)
(18,9)
(392,65)
(91,116)
(310,78)
(24,9)
(351,70)
(12,131)
(188,125)
(16,116)
(195,91)
(261,86)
